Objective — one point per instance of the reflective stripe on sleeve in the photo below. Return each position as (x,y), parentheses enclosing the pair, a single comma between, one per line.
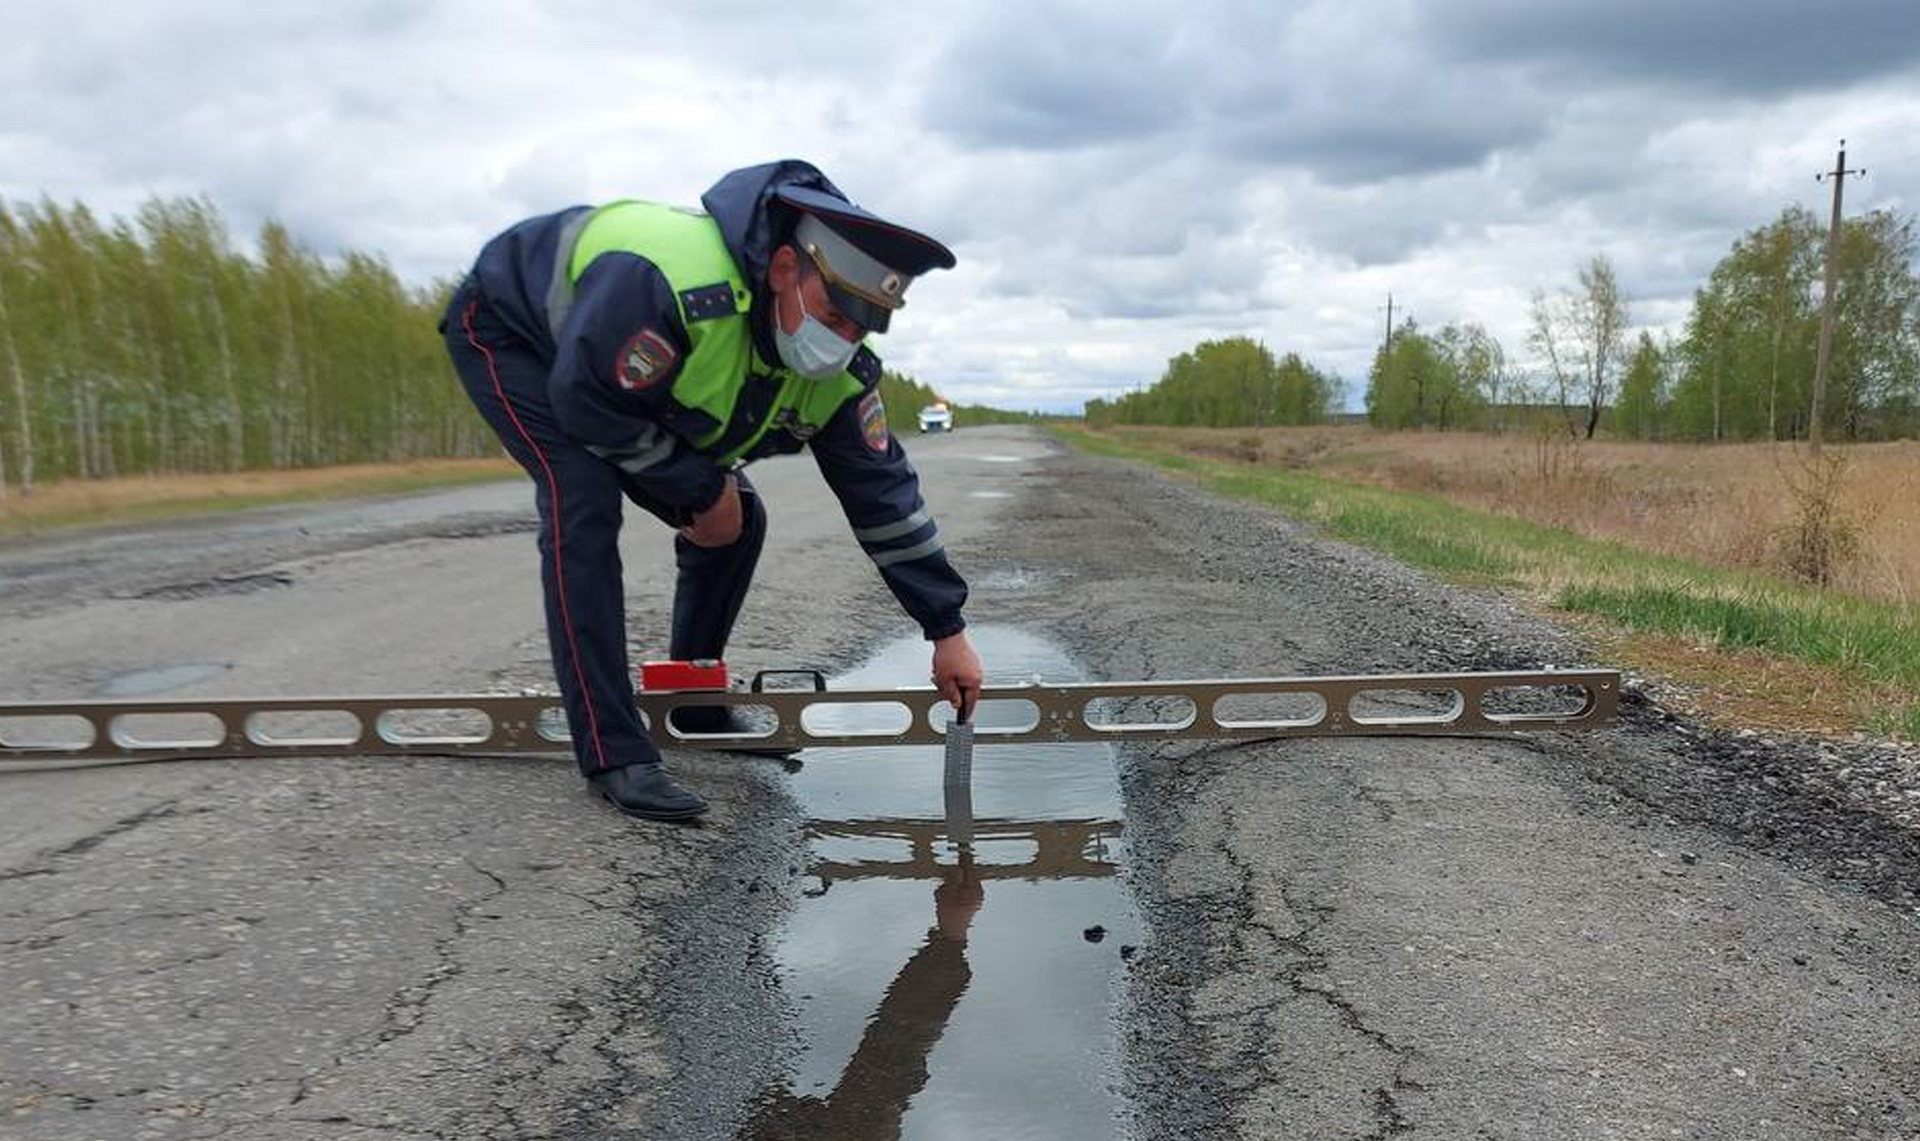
(908,554)
(650,447)
(893,530)
(560,284)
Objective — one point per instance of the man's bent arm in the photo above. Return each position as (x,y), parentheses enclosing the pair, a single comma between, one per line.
(880,493)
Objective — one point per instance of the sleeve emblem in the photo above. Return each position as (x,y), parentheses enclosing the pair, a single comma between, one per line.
(873,421)
(644,360)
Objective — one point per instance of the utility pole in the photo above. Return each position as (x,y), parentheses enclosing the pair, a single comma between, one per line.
(1388,343)
(1839,175)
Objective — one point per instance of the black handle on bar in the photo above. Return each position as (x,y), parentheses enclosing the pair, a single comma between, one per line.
(819,680)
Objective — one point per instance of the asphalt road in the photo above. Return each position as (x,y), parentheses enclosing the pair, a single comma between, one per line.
(1652,932)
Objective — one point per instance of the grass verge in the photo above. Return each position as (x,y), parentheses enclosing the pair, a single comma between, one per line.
(1854,657)
(92,503)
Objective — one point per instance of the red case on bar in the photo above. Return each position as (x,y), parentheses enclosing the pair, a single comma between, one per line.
(701,673)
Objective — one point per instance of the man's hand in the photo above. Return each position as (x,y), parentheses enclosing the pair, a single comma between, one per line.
(956,672)
(720,524)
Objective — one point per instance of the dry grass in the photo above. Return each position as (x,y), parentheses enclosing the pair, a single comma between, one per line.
(1743,689)
(1730,505)
(1678,560)
(75,502)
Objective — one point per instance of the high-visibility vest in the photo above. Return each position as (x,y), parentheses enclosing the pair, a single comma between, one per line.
(714,303)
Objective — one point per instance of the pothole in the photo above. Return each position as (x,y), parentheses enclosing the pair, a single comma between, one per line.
(224,584)
(950,990)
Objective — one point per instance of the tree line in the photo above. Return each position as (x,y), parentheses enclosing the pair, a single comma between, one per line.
(152,345)
(1236,382)
(1742,368)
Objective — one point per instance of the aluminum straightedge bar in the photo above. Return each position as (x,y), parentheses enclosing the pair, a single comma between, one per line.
(1439,704)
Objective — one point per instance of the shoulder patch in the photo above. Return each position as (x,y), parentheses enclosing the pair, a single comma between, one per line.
(709,301)
(873,421)
(644,360)
(865,366)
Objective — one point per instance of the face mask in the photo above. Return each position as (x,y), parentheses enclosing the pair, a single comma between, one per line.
(814,351)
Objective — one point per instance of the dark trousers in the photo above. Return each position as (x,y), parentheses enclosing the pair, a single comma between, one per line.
(579,495)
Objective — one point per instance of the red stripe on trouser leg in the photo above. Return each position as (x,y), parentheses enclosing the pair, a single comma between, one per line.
(553,510)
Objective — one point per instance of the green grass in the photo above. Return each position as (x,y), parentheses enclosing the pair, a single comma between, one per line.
(1852,637)
(1866,641)
(1827,636)
(1421,536)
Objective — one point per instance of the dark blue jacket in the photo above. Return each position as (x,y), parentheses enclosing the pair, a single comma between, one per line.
(642,428)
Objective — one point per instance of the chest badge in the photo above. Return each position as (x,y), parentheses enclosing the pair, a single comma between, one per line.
(788,421)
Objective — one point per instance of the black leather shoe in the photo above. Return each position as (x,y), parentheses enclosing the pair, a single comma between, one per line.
(647,791)
(729,720)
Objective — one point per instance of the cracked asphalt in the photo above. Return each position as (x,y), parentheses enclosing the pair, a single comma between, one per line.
(1655,931)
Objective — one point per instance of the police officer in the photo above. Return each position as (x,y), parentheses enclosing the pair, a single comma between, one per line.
(646,351)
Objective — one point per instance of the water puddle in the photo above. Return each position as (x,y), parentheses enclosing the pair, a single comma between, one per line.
(1014,578)
(989,495)
(1001,459)
(143,683)
(948,990)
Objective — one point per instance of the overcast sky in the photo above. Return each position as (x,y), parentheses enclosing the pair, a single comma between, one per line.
(1118,184)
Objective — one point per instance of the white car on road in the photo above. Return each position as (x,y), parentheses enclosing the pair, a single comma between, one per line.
(936,417)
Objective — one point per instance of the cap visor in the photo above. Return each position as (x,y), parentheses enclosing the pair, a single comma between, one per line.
(873,318)
(909,251)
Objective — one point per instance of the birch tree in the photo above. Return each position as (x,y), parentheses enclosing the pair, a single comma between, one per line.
(16,417)
(1582,335)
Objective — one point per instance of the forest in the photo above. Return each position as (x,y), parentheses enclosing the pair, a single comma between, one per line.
(1232,382)
(153,345)
(1742,368)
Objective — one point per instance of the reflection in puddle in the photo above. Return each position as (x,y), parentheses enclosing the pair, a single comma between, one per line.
(140,683)
(948,991)
(1001,459)
(1001,849)
(989,495)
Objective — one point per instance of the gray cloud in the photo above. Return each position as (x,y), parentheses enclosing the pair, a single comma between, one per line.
(1745,47)
(1358,148)
(1347,94)
(1057,79)
(1118,184)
